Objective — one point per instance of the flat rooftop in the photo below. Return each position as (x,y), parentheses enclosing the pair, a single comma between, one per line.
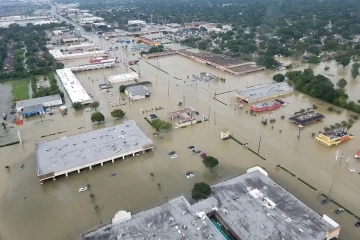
(40,100)
(76,150)
(252,205)
(306,118)
(335,134)
(266,104)
(137,90)
(73,87)
(264,90)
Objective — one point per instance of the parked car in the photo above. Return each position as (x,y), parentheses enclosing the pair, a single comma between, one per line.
(325,201)
(197,151)
(357,155)
(171,153)
(173,156)
(83,189)
(339,210)
(357,224)
(191,147)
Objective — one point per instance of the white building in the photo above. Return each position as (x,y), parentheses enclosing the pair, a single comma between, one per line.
(47,101)
(137,22)
(73,87)
(137,92)
(123,77)
(58,55)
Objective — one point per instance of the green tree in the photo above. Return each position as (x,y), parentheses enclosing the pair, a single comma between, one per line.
(200,191)
(92,195)
(341,83)
(118,113)
(355,70)
(161,125)
(278,77)
(314,59)
(97,117)
(7,168)
(95,105)
(122,88)
(345,60)
(152,176)
(203,29)
(77,105)
(210,162)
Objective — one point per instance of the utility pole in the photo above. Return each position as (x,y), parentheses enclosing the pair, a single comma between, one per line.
(259,145)
(168,87)
(214,118)
(209,114)
(332,184)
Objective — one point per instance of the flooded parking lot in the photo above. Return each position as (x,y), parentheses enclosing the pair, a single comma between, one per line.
(56,210)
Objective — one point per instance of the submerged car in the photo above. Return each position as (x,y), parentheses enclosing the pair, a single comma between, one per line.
(339,210)
(171,153)
(173,156)
(357,224)
(83,189)
(325,201)
(357,155)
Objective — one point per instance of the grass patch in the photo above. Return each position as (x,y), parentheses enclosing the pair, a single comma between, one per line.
(19,88)
(288,171)
(307,184)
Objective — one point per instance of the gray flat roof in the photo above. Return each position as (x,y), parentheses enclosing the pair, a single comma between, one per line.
(244,205)
(264,90)
(137,90)
(76,150)
(40,100)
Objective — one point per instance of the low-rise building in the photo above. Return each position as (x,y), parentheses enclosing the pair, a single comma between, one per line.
(137,22)
(266,106)
(73,87)
(307,118)
(247,207)
(264,92)
(123,77)
(333,137)
(72,153)
(137,92)
(47,101)
(148,41)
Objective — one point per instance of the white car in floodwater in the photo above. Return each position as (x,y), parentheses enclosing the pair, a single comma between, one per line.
(173,156)
(83,189)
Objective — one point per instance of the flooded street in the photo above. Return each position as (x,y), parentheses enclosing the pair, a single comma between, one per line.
(56,210)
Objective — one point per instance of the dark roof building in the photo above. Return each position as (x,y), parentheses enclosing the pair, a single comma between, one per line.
(247,207)
(307,118)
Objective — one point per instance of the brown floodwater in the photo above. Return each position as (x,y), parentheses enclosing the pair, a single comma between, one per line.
(56,210)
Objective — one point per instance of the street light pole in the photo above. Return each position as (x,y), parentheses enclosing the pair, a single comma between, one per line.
(259,145)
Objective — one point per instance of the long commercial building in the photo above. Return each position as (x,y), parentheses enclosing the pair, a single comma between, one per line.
(73,153)
(247,207)
(73,87)
(47,101)
(58,55)
(264,92)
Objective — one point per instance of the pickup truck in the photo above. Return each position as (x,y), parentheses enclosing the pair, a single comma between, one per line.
(133,62)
